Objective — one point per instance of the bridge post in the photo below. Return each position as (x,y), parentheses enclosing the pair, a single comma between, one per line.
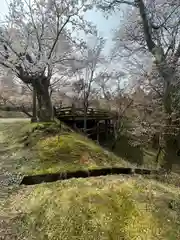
(73,108)
(106,129)
(110,125)
(74,125)
(97,124)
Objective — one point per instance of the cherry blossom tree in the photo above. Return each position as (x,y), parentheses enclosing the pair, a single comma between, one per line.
(37,41)
(152,28)
(85,87)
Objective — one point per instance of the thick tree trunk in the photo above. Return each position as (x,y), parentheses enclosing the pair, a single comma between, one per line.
(167,75)
(34,117)
(167,161)
(45,108)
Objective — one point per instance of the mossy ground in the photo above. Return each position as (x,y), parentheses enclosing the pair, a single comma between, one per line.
(51,147)
(112,207)
(102,208)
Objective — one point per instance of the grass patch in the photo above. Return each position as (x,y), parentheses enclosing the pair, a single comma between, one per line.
(72,151)
(101,208)
(104,208)
(52,147)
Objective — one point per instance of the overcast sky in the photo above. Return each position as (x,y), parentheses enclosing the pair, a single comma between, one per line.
(104,25)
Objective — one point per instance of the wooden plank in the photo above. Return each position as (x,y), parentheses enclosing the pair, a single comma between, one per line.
(79,118)
(77,114)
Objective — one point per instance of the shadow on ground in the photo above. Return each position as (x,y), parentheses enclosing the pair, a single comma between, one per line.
(130,153)
(123,149)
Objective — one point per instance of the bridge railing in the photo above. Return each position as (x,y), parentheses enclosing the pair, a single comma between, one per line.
(66,111)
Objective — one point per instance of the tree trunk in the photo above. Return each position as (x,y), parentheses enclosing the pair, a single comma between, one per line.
(117,133)
(167,161)
(45,108)
(85,122)
(34,117)
(85,116)
(167,73)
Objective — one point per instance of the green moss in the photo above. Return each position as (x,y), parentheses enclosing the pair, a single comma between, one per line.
(53,147)
(58,148)
(72,151)
(31,133)
(102,208)
(112,207)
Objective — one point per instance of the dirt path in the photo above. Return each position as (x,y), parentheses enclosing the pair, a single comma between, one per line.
(9,156)
(10,120)
(9,181)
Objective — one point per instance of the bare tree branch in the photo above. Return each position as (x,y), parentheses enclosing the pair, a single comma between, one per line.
(57,37)
(147,33)
(109,5)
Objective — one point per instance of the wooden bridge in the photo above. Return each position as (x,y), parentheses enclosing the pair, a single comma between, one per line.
(71,113)
(96,123)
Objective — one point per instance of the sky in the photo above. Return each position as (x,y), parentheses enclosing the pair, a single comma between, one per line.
(104,25)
